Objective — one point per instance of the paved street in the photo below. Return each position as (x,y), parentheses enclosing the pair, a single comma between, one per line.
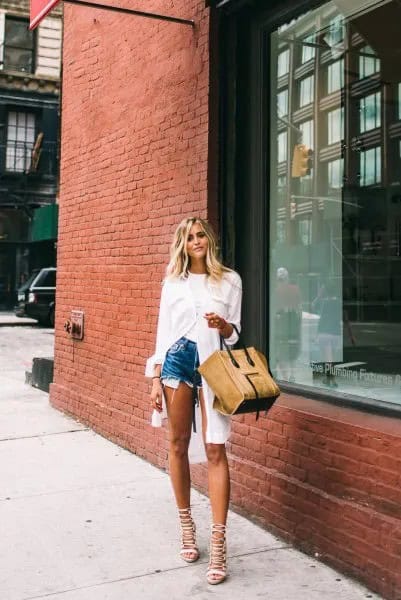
(82,519)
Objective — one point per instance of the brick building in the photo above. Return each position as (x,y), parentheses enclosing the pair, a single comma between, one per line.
(162,120)
(30,64)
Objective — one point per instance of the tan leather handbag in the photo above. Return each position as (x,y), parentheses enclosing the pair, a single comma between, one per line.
(240,379)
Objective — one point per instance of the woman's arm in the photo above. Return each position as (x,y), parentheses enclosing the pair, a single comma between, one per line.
(162,339)
(153,366)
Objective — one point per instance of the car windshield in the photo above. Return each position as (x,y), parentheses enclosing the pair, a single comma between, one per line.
(47,278)
(28,282)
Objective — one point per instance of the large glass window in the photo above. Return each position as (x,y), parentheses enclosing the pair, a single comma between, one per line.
(20,141)
(335,229)
(19,45)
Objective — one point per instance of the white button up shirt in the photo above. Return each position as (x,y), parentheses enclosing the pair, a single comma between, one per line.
(177,315)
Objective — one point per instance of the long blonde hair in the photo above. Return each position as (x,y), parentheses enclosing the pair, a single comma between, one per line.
(180,261)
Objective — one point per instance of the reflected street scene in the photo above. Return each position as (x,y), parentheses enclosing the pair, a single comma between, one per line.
(335,200)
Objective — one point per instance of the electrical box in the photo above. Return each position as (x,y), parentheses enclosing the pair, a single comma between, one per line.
(75,325)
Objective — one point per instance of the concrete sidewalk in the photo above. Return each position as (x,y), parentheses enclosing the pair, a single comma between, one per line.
(8,319)
(83,519)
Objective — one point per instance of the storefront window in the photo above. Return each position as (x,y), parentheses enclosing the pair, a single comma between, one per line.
(335,214)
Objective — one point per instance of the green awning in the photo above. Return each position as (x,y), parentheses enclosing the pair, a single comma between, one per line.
(44,224)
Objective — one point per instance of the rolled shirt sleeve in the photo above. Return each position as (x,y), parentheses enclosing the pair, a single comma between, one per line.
(162,335)
(234,311)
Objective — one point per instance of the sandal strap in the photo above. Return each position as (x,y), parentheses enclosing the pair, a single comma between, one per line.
(188,531)
(217,562)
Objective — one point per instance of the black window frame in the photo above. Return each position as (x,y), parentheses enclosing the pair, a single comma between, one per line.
(6,67)
(243,165)
(8,143)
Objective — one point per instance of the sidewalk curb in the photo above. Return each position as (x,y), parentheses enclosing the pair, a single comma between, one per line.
(18,323)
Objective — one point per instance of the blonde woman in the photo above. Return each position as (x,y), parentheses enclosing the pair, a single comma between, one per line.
(200,300)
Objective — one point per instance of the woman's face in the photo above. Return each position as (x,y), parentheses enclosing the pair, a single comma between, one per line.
(197,243)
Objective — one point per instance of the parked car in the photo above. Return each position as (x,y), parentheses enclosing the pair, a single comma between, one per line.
(37,296)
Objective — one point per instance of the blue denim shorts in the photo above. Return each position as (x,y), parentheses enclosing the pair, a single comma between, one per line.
(181,364)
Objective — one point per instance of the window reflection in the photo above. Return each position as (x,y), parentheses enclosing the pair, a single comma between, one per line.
(335,125)
(308,48)
(282,147)
(371,166)
(306,90)
(282,103)
(335,174)
(306,129)
(283,63)
(368,63)
(335,76)
(335,270)
(370,110)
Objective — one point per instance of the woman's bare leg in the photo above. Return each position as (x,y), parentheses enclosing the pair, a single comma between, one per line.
(218,474)
(219,494)
(179,410)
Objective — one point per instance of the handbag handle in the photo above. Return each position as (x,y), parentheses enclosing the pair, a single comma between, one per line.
(244,348)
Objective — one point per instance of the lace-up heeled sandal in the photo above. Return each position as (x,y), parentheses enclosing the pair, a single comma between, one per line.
(217,570)
(189,551)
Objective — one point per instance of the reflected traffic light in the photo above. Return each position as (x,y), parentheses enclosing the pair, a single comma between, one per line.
(302,161)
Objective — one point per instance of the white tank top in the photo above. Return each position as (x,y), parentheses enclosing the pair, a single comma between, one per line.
(201,296)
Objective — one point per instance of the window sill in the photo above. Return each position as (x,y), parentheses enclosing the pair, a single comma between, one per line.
(342,400)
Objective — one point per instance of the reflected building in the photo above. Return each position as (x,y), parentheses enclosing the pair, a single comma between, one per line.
(338,93)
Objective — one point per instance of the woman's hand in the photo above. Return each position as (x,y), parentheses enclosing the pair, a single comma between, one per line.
(156,394)
(214,321)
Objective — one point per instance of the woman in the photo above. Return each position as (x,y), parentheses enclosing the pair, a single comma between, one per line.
(200,300)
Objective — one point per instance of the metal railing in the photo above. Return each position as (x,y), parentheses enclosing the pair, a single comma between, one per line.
(28,158)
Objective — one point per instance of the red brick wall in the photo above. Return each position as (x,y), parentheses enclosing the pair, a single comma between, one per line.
(135,136)
(327,479)
(134,163)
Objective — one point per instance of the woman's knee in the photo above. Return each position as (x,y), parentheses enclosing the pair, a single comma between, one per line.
(179,445)
(215,453)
